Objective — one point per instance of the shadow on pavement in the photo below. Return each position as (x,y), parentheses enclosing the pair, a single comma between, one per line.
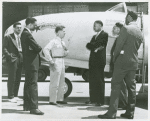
(142,104)
(95,108)
(96,117)
(14,111)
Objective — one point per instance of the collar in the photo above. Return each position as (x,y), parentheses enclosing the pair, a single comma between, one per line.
(16,36)
(28,29)
(99,32)
(58,38)
(133,22)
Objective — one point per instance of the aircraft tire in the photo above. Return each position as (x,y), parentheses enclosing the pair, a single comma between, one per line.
(68,87)
(41,75)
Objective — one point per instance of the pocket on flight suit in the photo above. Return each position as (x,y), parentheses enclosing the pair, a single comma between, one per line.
(58,65)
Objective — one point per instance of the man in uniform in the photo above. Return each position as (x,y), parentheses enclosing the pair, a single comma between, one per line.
(13,52)
(97,62)
(31,61)
(125,65)
(58,51)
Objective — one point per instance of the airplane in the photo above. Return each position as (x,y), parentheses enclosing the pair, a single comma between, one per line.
(79,31)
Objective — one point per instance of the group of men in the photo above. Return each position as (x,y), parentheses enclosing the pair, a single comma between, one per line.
(125,64)
(24,51)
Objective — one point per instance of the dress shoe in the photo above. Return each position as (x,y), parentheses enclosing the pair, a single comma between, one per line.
(18,99)
(98,104)
(56,104)
(26,109)
(122,108)
(105,116)
(89,102)
(61,102)
(124,115)
(52,103)
(36,112)
(13,100)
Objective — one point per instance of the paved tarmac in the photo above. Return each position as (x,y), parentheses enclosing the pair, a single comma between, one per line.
(75,109)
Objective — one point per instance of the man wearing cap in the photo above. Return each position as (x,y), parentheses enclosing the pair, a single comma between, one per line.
(125,65)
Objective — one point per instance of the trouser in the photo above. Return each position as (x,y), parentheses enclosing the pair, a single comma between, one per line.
(14,78)
(118,76)
(31,89)
(96,84)
(123,97)
(57,80)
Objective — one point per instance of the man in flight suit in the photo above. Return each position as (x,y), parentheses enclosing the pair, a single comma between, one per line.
(55,51)
(125,65)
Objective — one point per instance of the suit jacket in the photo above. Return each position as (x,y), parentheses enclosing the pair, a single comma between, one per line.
(10,49)
(129,41)
(30,50)
(98,58)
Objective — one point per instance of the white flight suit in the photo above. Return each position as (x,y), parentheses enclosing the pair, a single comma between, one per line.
(54,51)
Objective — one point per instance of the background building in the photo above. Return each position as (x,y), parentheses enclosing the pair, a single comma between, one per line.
(16,11)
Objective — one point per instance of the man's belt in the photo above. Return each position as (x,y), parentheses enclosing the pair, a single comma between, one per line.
(58,57)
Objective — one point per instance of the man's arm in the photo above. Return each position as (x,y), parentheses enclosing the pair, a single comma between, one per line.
(89,45)
(5,47)
(47,50)
(99,45)
(101,42)
(120,42)
(33,44)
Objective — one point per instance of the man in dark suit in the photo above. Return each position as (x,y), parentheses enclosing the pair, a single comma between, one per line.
(123,93)
(97,62)
(31,61)
(125,65)
(13,53)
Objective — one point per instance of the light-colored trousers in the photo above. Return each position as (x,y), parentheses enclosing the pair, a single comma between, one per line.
(57,80)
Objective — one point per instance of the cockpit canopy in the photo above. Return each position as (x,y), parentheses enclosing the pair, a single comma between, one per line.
(119,8)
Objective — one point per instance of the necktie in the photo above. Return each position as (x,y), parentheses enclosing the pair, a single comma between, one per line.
(96,35)
(19,44)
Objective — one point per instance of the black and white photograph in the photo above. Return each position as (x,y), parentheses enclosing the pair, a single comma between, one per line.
(74,60)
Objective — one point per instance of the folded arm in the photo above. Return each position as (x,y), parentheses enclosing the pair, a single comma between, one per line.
(99,44)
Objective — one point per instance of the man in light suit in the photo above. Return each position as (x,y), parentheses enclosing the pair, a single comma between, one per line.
(31,62)
(125,65)
(13,53)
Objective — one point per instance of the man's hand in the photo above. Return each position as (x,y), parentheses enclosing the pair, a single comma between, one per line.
(52,66)
(100,48)
(66,53)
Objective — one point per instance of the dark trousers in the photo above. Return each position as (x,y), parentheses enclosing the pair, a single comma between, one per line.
(123,97)
(116,83)
(14,77)
(96,84)
(31,89)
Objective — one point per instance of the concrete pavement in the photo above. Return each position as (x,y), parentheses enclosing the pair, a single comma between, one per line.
(75,109)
